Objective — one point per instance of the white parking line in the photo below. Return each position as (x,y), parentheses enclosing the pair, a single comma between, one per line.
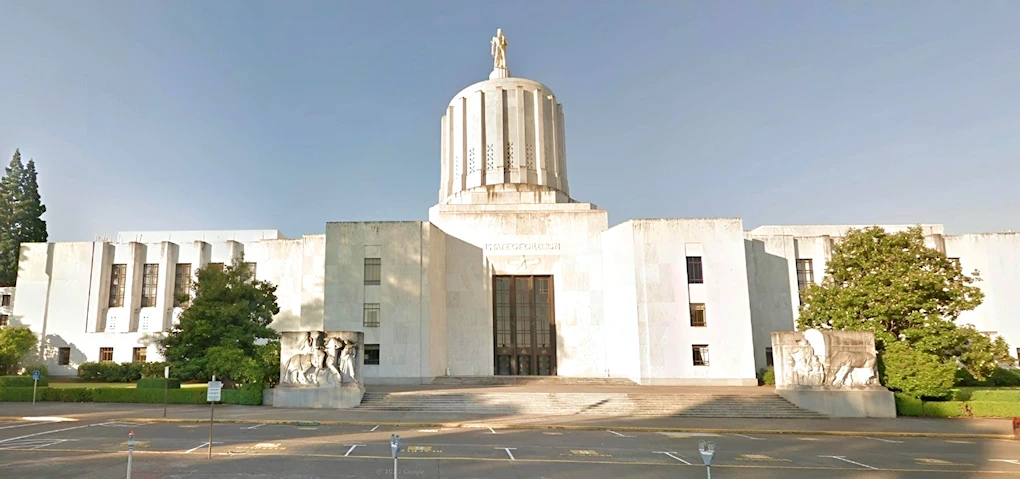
(494,432)
(200,446)
(1009,461)
(884,440)
(749,437)
(348,453)
(671,454)
(255,426)
(23,425)
(618,434)
(844,459)
(508,453)
(44,432)
(372,430)
(428,430)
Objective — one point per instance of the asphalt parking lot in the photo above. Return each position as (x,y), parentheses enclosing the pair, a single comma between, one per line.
(49,448)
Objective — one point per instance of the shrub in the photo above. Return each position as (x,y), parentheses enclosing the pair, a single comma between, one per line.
(43,370)
(21,382)
(1001,377)
(153,370)
(914,372)
(248,395)
(158,383)
(109,372)
(994,395)
(995,408)
(768,376)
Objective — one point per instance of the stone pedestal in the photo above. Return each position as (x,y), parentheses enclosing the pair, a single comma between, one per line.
(877,402)
(313,397)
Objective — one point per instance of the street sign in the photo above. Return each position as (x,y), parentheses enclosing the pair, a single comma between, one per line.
(166,372)
(36,375)
(215,390)
(707,450)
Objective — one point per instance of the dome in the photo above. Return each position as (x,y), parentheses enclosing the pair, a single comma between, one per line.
(502,142)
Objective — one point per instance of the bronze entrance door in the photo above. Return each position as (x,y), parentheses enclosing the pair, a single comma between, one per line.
(523,325)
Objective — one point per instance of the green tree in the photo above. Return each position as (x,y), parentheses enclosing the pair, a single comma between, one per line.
(15,344)
(895,286)
(217,332)
(21,211)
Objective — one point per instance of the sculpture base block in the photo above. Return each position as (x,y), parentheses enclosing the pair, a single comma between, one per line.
(877,402)
(317,398)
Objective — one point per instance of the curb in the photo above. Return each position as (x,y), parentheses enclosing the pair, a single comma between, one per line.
(567,427)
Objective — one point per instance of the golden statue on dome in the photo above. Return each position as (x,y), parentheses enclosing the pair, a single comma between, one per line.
(498,50)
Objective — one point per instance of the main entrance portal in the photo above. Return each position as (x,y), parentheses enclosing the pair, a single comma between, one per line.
(523,325)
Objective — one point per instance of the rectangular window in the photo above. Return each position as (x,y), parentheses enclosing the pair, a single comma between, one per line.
(216,267)
(64,356)
(805,274)
(4,320)
(105,355)
(371,354)
(150,278)
(373,270)
(1018,353)
(955,261)
(251,269)
(698,315)
(182,284)
(371,315)
(700,352)
(138,355)
(768,357)
(695,275)
(118,280)
(6,301)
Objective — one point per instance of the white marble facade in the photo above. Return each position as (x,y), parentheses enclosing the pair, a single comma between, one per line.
(422,293)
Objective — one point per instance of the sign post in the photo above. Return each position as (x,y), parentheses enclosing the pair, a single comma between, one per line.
(707,450)
(131,448)
(395,450)
(166,387)
(35,383)
(212,395)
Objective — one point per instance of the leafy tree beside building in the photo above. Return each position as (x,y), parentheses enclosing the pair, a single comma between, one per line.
(910,296)
(21,211)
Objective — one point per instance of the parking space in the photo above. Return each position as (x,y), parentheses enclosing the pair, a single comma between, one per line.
(514,448)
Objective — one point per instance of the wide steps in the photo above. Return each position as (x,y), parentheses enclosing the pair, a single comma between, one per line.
(604,404)
(529,380)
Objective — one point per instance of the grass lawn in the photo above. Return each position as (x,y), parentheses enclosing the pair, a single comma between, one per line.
(111,385)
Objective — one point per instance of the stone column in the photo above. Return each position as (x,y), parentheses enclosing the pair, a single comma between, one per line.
(165,286)
(133,289)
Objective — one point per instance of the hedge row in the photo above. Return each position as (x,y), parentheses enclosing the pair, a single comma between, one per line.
(158,383)
(21,381)
(910,406)
(110,372)
(998,395)
(250,396)
(1001,377)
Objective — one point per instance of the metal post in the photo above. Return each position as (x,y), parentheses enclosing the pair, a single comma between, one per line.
(708,469)
(394,468)
(131,448)
(212,406)
(35,385)
(166,391)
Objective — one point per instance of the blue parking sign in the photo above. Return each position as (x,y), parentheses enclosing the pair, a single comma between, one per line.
(35,374)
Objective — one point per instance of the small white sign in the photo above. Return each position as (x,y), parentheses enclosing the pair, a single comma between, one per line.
(215,388)
(166,372)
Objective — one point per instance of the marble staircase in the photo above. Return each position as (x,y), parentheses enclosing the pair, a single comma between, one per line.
(586,403)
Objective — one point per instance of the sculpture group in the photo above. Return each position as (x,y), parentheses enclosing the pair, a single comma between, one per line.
(815,359)
(319,354)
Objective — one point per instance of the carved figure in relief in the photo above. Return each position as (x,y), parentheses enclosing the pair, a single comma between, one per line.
(347,360)
(332,345)
(303,366)
(498,50)
(843,367)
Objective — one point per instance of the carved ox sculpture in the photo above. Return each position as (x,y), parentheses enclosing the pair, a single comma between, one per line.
(842,369)
(303,368)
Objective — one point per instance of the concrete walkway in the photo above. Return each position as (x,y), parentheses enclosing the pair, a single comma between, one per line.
(917,427)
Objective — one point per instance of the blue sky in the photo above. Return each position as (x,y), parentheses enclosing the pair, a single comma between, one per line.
(146,115)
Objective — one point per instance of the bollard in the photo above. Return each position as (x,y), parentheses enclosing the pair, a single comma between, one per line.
(131,448)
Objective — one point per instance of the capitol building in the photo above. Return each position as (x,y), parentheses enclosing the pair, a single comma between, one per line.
(510,276)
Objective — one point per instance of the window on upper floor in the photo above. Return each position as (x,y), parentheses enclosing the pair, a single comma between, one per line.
(138,355)
(64,356)
(805,274)
(371,354)
(252,269)
(955,261)
(5,300)
(371,319)
(698,319)
(215,267)
(695,275)
(118,281)
(105,355)
(182,284)
(150,278)
(4,320)
(700,353)
(768,357)
(373,271)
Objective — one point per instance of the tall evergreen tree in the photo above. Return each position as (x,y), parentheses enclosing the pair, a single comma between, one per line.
(21,211)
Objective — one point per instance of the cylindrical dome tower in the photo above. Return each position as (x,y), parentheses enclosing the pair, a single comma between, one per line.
(502,142)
